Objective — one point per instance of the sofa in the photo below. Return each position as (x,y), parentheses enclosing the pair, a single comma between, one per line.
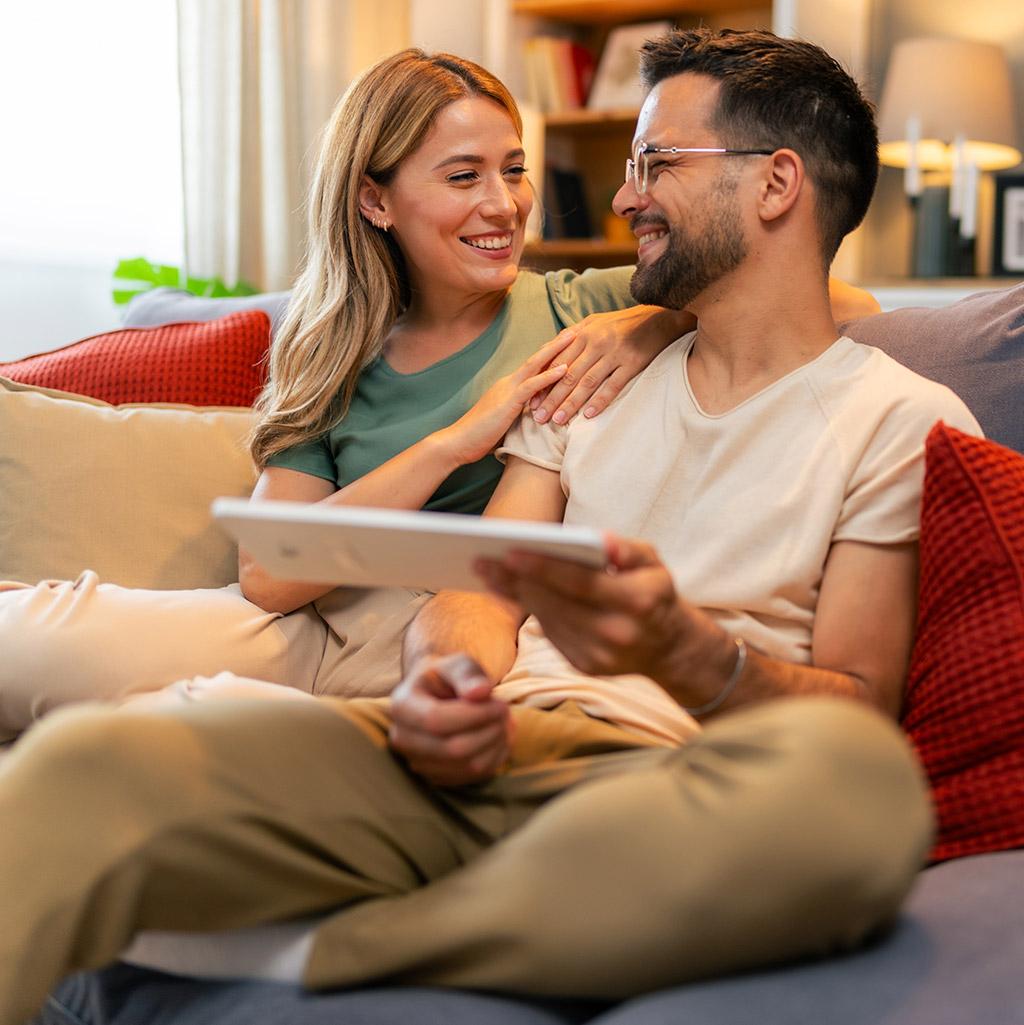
(158,413)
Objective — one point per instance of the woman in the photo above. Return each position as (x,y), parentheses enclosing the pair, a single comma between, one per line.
(411,344)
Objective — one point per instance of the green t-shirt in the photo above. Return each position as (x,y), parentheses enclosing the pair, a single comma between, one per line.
(392,411)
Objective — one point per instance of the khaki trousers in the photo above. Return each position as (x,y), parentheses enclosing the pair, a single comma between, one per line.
(592,867)
(68,641)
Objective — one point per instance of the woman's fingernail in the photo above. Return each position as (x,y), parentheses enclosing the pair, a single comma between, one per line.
(559,417)
(590,411)
(540,415)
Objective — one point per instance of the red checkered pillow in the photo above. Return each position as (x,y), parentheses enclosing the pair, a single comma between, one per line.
(964,709)
(216,363)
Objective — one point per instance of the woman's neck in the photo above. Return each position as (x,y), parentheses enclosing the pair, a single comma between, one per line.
(436,327)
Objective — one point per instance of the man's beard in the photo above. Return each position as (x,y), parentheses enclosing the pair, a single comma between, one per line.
(691,263)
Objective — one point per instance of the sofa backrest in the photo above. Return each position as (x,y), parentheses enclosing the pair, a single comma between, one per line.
(975,347)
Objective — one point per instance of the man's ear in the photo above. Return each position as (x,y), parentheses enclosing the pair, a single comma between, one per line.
(372,203)
(782,184)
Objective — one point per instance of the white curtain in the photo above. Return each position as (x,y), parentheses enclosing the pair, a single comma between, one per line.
(258,80)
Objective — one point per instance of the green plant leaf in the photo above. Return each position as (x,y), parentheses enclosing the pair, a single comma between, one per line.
(136,275)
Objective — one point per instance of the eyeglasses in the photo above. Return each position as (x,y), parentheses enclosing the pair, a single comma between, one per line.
(637,166)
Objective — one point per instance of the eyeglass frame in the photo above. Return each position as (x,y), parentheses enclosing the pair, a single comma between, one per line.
(643,149)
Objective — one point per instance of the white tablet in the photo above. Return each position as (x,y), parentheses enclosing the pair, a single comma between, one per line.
(363,547)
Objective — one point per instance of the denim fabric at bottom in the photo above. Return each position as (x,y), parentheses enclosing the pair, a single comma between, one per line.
(70,1003)
(124,995)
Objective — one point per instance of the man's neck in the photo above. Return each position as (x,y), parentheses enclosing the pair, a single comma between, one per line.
(754,328)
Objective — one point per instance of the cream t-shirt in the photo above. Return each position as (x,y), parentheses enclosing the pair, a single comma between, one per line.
(742,506)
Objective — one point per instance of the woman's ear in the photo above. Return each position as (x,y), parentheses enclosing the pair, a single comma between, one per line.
(372,204)
(782,184)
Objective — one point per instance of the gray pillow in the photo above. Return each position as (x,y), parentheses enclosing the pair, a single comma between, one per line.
(173,305)
(975,347)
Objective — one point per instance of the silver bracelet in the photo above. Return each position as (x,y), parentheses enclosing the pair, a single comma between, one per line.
(730,684)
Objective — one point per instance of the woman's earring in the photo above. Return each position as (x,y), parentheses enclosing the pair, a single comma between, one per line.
(380,222)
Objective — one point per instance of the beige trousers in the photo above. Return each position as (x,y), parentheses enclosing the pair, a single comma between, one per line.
(594,866)
(68,641)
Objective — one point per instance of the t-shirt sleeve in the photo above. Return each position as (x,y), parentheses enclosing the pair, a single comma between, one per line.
(312,457)
(574,296)
(883,499)
(540,444)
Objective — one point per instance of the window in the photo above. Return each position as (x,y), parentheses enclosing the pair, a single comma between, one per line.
(91,165)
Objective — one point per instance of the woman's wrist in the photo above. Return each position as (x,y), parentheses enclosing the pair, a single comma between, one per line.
(444,447)
(659,327)
(676,323)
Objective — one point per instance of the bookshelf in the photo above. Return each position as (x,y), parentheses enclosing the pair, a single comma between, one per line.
(591,145)
(596,12)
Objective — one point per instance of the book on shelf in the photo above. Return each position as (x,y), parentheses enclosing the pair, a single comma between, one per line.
(616,84)
(558,73)
(566,214)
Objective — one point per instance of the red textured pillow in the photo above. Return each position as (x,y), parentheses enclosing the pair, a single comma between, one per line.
(964,709)
(215,363)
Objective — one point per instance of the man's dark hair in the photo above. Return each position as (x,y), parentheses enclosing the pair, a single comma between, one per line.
(776,93)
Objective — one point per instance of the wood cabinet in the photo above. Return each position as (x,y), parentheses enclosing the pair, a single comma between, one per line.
(595,143)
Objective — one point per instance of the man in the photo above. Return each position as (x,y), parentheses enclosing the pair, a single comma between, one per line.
(522,821)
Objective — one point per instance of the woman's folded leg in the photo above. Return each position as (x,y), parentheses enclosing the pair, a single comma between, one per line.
(69,641)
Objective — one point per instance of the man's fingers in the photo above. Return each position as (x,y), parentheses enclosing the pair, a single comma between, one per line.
(540,381)
(569,579)
(444,718)
(428,679)
(460,748)
(446,695)
(584,375)
(629,553)
(572,582)
(454,761)
(582,388)
(462,675)
(497,578)
(548,351)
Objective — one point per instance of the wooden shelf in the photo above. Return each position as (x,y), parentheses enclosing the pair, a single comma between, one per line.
(596,12)
(586,120)
(578,252)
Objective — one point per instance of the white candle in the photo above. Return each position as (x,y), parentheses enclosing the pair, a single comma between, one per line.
(912,178)
(956,183)
(969,208)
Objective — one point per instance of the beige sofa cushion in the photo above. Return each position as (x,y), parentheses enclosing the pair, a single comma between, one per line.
(123,490)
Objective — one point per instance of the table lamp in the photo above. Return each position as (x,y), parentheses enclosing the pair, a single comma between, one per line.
(947,106)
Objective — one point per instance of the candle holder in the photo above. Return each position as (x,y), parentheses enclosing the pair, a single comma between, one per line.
(947,106)
(933,235)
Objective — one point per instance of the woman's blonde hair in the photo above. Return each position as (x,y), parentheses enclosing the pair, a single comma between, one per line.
(354,283)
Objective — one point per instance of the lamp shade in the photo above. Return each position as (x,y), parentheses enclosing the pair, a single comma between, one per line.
(948,88)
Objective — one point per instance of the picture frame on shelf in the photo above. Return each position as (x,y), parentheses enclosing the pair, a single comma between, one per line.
(1008,230)
(616,84)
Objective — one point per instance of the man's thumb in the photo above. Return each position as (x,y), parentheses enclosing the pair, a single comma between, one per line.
(465,677)
(626,553)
